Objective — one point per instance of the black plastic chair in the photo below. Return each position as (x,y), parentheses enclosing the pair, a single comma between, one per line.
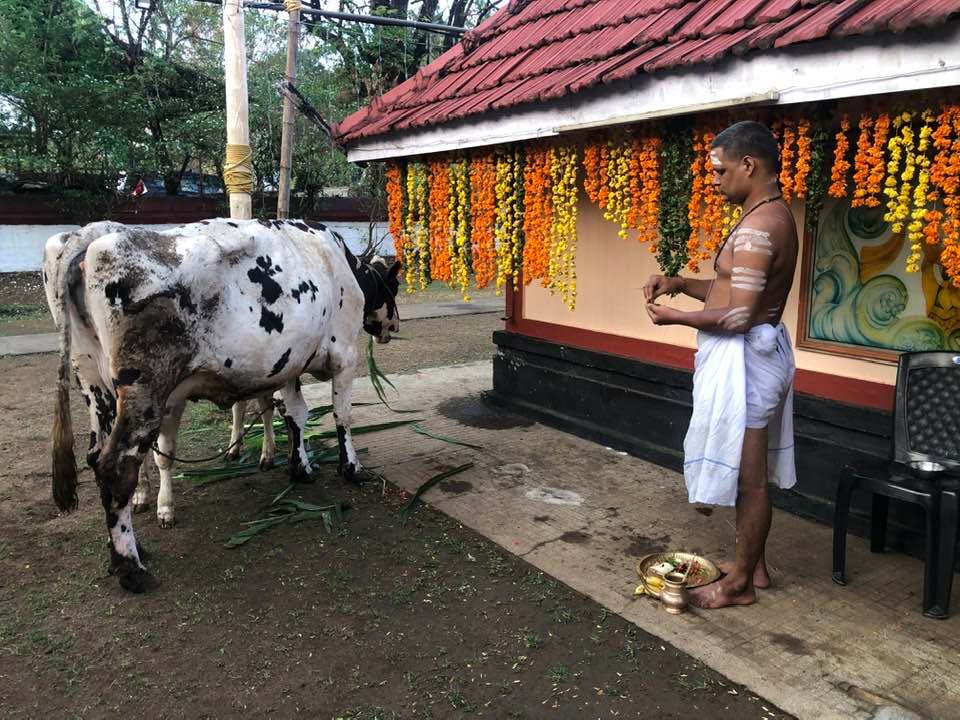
(947,550)
(926,450)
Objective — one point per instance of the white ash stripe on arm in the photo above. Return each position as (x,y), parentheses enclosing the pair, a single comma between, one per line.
(737,316)
(748,279)
(752,241)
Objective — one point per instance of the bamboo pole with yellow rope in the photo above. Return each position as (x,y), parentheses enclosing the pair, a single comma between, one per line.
(237,170)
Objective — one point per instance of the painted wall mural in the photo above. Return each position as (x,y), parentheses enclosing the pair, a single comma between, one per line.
(862,295)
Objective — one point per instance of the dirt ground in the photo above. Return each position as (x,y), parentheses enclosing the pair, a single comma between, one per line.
(374,620)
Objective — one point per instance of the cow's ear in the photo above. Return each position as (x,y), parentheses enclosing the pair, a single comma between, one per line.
(395,269)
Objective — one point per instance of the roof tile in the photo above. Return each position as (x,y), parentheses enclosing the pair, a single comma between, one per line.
(540,50)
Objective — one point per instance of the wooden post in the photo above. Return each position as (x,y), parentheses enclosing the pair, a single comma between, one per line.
(286,143)
(235,79)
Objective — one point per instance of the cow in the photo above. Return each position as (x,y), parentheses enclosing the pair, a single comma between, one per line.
(220,310)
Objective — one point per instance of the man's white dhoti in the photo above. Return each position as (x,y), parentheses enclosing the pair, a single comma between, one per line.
(739,381)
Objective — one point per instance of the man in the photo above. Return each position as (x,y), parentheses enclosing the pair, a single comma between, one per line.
(742,422)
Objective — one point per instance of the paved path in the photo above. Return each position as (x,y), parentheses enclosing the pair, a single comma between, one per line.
(48,342)
(585,514)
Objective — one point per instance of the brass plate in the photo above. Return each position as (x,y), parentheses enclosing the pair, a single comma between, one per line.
(706,572)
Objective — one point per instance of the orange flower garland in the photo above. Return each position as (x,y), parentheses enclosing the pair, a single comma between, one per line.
(949,175)
(706,208)
(439,220)
(714,203)
(861,162)
(649,215)
(881,131)
(694,207)
(537,219)
(841,166)
(786,160)
(591,167)
(483,178)
(604,191)
(804,143)
(395,206)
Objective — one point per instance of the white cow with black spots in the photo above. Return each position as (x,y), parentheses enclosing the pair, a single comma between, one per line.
(219,310)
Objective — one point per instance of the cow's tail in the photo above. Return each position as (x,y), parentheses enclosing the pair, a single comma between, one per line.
(64,460)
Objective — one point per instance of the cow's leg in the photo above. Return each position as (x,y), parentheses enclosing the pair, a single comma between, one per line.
(236,431)
(296,419)
(269,450)
(167,443)
(141,497)
(117,471)
(349,465)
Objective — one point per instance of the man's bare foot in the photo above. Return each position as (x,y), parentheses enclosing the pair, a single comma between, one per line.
(721,594)
(761,578)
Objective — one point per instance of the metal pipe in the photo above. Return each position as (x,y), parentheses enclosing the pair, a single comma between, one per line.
(349,17)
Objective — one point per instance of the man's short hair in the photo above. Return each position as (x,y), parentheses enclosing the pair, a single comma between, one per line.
(750,138)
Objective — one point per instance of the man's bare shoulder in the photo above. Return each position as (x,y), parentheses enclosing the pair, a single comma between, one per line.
(769,227)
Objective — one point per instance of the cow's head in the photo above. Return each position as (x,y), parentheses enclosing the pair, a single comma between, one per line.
(380,314)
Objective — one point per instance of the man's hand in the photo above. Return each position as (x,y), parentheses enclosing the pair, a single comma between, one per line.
(661,314)
(659,285)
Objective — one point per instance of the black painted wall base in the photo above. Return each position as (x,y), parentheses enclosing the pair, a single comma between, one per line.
(644,409)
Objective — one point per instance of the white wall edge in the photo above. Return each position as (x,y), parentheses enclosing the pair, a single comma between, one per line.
(825,70)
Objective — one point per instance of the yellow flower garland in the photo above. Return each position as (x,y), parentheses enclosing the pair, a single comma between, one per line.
(508,218)
(416,249)
(460,227)
(563,245)
(918,214)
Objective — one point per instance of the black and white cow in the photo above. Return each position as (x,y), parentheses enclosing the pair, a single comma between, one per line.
(220,310)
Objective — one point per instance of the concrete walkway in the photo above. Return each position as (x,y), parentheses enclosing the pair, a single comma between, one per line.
(585,514)
(48,342)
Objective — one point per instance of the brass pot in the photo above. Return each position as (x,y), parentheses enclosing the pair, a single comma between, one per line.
(674,595)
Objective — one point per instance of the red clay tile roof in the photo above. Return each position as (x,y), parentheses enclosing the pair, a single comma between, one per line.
(538,50)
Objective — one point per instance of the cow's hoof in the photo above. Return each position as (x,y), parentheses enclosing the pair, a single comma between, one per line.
(132,576)
(165,517)
(135,579)
(266,464)
(358,475)
(141,498)
(302,477)
(233,455)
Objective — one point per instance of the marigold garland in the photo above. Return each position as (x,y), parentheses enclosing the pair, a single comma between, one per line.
(949,186)
(803,158)
(881,131)
(415,252)
(918,211)
(591,168)
(861,162)
(563,237)
(899,196)
(841,165)
(440,220)
(649,214)
(460,227)
(618,190)
(537,216)
(395,205)
(695,204)
(509,218)
(787,154)
(483,179)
